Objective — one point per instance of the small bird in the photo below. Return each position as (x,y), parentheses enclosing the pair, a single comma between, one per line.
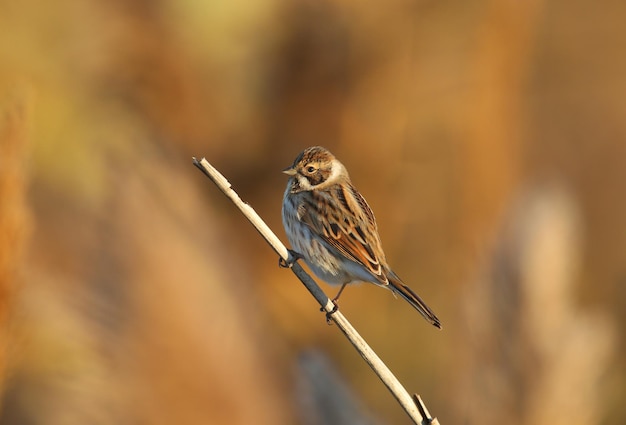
(330,225)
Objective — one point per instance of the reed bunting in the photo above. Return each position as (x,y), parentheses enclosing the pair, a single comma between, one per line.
(330,225)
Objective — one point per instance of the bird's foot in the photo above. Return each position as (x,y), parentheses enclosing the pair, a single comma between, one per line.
(288,263)
(331,312)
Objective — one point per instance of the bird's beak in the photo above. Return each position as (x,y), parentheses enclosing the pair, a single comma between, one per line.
(290,171)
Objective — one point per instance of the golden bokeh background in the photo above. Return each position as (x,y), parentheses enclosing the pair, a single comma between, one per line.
(489,138)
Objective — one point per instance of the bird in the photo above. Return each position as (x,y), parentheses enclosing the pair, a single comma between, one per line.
(330,225)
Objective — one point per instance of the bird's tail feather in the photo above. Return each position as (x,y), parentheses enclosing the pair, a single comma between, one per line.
(396,285)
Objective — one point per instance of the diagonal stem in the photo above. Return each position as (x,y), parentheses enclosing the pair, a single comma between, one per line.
(370,357)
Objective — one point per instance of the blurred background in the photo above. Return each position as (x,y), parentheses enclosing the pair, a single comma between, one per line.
(488,136)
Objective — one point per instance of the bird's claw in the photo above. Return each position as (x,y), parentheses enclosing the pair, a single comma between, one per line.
(330,313)
(288,263)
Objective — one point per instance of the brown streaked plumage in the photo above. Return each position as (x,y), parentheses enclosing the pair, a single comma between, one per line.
(329,223)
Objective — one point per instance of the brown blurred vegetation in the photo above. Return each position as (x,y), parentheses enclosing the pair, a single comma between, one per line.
(489,137)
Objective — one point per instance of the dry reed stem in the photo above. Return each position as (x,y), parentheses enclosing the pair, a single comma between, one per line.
(370,357)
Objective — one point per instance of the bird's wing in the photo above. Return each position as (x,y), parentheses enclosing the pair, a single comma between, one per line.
(343,219)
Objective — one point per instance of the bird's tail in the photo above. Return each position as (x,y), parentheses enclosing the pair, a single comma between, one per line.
(397,287)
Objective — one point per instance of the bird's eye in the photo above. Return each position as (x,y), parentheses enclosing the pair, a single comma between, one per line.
(310,169)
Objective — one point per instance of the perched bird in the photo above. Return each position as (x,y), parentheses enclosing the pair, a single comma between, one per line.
(330,225)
